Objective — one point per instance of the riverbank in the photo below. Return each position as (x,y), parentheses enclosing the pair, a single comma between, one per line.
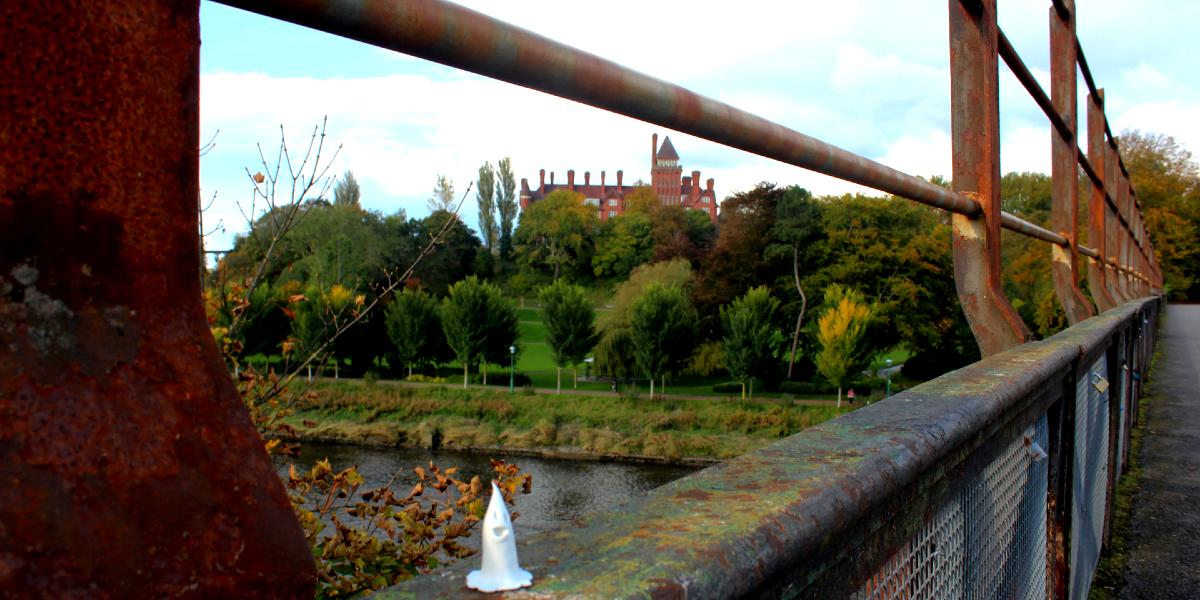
(673,430)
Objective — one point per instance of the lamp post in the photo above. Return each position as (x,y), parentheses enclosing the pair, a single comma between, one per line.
(512,365)
(889,379)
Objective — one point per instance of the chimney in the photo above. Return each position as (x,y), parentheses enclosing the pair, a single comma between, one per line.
(694,194)
(587,178)
(571,179)
(653,150)
(603,188)
(687,182)
(710,183)
(551,177)
(620,176)
(524,185)
(541,181)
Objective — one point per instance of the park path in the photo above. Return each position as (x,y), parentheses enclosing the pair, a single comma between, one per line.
(1164,544)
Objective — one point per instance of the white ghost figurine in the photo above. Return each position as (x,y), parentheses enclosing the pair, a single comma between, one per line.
(500,569)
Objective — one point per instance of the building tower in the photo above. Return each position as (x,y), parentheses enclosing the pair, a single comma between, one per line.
(665,172)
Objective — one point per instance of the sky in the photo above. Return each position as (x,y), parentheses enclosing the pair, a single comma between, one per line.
(870,76)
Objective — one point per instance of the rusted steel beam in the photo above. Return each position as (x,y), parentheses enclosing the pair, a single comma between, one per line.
(1112,221)
(1097,206)
(130,468)
(460,37)
(1126,239)
(1086,71)
(1064,212)
(975,135)
(1058,117)
(1023,227)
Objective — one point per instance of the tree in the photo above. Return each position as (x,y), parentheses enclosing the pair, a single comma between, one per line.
(1167,181)
(480,325)
(415,328)
(556,233)
(346,192)
(465,320)
(737,260)
(322,312)
(443,195)
(487,206)
(797,226)
(663,331)
(506,203)
(614,352)
(750,330)
(504,328)
(624,242)
(570,325)
(841,329)
(453,258)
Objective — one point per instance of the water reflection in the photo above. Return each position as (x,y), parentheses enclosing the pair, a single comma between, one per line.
(562,489)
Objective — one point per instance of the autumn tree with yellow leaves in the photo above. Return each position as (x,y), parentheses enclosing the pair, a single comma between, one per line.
(840,331)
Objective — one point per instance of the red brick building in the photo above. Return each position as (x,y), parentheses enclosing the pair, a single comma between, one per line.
(666,179)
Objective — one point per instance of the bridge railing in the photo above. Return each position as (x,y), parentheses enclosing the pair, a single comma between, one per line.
(120,421)
(993,481)
(1120,259)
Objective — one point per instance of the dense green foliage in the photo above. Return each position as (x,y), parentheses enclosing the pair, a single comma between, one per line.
(480,325)
(570,324)
(894,251)
(751,335)
(1167,180)
(662,329)
(415,327)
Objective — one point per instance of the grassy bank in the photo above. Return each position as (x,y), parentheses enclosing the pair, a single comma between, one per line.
(358,412)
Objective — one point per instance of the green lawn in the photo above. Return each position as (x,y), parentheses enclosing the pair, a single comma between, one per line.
(536,362)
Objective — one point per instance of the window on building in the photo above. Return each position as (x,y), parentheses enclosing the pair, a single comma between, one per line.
(704,199)
(612,213)
(612,201)
(592,201)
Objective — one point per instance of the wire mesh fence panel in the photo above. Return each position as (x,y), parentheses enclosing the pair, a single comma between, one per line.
(1123,413)
(987,540)
(1089,475)
(930,565)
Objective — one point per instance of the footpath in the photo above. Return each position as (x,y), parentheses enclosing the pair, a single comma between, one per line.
(1164,544)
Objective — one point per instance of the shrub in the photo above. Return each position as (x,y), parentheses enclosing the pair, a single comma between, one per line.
(419,378)
(728,388)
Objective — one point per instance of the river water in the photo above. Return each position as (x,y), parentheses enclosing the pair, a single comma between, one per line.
(562,489)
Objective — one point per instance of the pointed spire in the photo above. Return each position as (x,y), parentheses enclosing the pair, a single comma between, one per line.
(667,150)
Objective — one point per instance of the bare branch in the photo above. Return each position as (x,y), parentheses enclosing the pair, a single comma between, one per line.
(322,352)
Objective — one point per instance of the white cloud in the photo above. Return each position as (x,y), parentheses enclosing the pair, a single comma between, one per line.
(925,155)
(869,77)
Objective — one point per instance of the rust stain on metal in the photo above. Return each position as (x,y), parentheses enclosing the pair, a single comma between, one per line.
(129,466)
(975,131)
(694,494)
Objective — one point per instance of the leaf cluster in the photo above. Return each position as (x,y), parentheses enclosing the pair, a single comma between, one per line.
(370,539)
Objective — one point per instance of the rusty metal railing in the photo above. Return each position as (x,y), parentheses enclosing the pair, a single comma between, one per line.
(120,422)
(1121,263)
(993,481)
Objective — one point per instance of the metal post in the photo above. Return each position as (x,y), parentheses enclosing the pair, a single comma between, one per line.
(1112,223)
(1097,206)
(130,466)
(512,367)
(975,125)
(1065,168)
